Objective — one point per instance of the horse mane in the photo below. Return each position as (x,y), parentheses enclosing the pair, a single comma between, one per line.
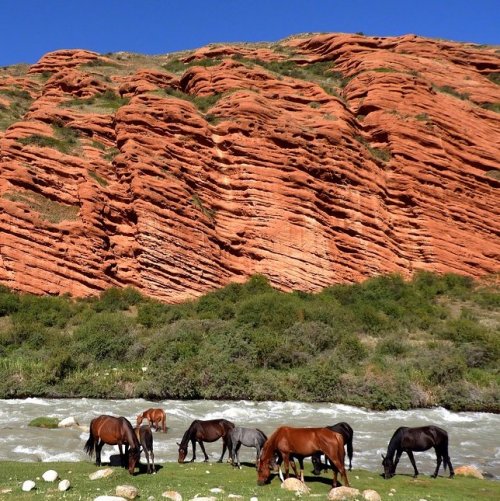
(130,431)
(262,433)
(394,442)
(270,445)
(187,434)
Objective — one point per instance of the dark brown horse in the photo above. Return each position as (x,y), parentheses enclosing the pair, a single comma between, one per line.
(113,431)
(145,437)
(206,431)
(302,442)
(419,439)
(156,417)
(347,433)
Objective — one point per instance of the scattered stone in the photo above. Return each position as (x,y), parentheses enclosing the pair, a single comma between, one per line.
(105,473)
(127,491)
(64,485)
(67,422)
(294,484)
(254,499)
(234,496)
(393,490)
(5,491)
(109,498)
(343,493)
(371,495)
(28,485)
(173,495)
(201,498)
(469,471)
(217,490)
(50,476)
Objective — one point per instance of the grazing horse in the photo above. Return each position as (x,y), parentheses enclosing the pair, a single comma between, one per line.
(113,431)
(145,437)
(417,439)
(249,437)
(302,442)
(347,433)
(156,418)
(206,431)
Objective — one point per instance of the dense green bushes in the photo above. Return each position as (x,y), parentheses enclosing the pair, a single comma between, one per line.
(385,343)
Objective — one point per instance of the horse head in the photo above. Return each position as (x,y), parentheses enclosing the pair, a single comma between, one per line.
(388,465)
(133,458)
(182,453)
(264,471)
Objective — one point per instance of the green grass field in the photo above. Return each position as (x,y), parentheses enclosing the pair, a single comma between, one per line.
(197,479)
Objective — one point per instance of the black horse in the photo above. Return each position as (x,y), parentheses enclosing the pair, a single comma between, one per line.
(347,433)
(419,439)
(206,431)
(145,437)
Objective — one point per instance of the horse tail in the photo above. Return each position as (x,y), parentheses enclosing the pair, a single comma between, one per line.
(264,436)
(90,445)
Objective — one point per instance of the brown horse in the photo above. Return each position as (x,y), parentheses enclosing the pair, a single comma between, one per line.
(113,431)
(145,437)
(156,418)
(206,431)
(302,442)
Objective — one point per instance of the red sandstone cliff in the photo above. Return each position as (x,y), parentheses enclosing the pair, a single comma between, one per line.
(316,160)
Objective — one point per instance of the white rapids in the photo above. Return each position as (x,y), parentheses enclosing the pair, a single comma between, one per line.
(474,437)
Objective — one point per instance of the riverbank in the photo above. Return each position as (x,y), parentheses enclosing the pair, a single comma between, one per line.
(384,344)
(193,479)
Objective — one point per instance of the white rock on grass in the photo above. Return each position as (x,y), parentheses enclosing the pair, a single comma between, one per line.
(469,471)
(127,491)
(201,498)
(254,499)
(101,474)
(173,495)
(217,490)
(28,485)
(371,495)
(67,422)
(50,476)
(343,493)
(64,485)
(294,484)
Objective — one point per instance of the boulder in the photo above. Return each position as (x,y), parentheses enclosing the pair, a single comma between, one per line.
(371,495)
(469,471)
(343,493)
(294,484)
(28,485)
(106,472)
(127,491)
(173,495)
(64,485)
(50,476)
(67,422)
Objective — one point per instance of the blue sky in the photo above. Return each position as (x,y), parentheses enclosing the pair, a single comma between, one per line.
(30,28)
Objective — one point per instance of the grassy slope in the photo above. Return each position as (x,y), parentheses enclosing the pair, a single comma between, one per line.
(382,344)
(199,478)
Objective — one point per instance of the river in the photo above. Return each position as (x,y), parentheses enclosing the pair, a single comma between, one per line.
(474,436)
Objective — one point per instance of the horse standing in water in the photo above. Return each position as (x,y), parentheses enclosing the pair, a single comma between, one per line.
(347,433)
(156,418)
(206,431)
(419,439)
(249,437)
(113,431)
(302,442)
(145,437)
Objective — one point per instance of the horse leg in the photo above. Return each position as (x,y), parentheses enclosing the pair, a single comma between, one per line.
(122,460)
(236,456)
(286,462)
(412,459)
(98,446)
(224,447)
(338,466)
(146,453)
(396,460)
(205,452)
(439,458)
(257,455)
(301,464)
(193,444)
(450,466)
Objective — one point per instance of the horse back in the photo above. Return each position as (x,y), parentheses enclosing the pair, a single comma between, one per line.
(423,438)
(307,441)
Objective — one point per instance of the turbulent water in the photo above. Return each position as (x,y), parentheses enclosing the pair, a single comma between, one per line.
(474,437)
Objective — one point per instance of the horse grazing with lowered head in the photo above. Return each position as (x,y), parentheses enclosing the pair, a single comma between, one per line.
(302,442)
(156,417)
(347,433)
(145,437)
(206,431)
(418,439)
(113,431)
(249,437)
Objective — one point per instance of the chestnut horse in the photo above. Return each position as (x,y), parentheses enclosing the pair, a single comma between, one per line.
(145,437)
(418,439)
(302,442)
(206,431)
(113,431)
(156,418)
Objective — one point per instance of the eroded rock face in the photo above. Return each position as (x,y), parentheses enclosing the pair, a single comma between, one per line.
(317,160)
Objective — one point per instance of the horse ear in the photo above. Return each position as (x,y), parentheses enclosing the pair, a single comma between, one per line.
(178,444)
(383,457)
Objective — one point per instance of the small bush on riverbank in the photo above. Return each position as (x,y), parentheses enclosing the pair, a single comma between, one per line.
(385,343)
